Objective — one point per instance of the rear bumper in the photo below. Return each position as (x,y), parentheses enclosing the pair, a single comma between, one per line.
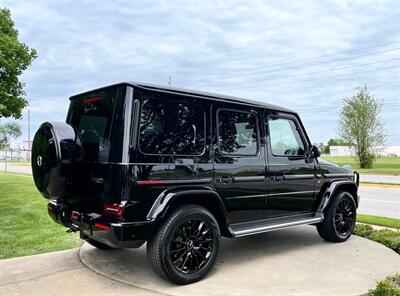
(99,228)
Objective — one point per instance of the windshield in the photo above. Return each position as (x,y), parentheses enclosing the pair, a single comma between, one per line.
(93,115)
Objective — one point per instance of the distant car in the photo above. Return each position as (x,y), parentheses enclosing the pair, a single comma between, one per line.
(179,168)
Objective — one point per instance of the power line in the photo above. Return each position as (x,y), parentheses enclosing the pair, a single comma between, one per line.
(252,73)
(318,72)
(226,52)
(319,78)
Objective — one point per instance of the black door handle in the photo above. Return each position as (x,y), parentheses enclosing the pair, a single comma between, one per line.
(224,180)
(277,178)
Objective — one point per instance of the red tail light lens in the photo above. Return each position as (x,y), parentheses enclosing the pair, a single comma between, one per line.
(101,226)
(116,210)
(91,100)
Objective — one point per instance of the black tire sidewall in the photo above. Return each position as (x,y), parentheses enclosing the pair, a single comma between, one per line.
(332,210)
(184,214)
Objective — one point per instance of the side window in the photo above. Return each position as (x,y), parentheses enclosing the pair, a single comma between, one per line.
(285,137)
(237,132)
(171,128)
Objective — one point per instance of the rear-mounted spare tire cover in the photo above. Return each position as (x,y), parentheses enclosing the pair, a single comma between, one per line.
(56,148)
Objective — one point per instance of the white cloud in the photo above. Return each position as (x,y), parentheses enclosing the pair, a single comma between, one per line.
(231,47)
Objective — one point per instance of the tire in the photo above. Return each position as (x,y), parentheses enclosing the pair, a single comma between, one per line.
(340,218)
(189,232)
(99,245)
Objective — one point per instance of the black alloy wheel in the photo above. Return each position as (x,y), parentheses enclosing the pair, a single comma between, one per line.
(191,245)
(340,218)
(185,246)
(345,216)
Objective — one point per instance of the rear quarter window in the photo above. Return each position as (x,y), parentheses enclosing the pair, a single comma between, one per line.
(171,127)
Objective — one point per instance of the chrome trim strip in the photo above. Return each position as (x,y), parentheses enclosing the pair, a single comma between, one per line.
(267,228)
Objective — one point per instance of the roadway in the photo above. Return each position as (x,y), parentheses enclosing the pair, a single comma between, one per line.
(380,200)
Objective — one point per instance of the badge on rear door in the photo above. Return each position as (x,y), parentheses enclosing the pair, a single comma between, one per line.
(39,161)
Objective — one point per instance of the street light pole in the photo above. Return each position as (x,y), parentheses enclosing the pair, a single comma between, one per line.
(29,133)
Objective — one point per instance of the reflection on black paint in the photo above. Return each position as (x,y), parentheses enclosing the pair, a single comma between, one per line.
(237,132)
(171,127)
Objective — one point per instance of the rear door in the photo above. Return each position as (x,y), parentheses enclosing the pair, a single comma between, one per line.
(291,176)
(239,161)
(99,118)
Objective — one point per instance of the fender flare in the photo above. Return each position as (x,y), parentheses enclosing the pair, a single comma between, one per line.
(165,199)
(331,190)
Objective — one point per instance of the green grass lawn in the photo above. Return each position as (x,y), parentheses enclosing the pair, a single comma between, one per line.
(26,229)
(381,221)
(390,286)
(382,165)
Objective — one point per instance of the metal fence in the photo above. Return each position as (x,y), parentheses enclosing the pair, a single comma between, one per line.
(15,161)
(15,154)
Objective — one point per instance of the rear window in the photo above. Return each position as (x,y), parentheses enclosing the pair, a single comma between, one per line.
(92,115)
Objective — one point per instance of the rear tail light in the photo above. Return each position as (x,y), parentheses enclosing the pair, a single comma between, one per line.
(116,210)
(74,216)
(101,226)
(91,100)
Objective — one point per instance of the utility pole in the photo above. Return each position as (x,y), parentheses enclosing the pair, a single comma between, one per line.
(29,129)
(29,135)
(169,80)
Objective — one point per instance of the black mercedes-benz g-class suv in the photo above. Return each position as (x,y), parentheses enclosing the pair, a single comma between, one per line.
(178,168)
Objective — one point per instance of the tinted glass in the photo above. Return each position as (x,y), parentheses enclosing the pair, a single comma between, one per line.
(171,127)
(285,137)
(92,115)
(237,132)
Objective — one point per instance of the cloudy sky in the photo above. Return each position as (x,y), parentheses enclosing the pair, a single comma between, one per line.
(303,55)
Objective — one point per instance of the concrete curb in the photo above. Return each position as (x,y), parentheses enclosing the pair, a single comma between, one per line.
(99,272)
(371,262)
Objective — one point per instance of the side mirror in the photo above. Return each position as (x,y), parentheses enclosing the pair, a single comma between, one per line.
(314,152)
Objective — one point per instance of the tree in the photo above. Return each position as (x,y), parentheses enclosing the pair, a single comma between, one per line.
(7,131)
(360,126)
(320,146)
(338,142)
(15,57)
(325,150)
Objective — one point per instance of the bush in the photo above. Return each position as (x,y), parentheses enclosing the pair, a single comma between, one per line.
(366,160)
(387,287)
(387,237)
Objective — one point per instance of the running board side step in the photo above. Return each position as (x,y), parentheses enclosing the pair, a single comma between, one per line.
(249,228)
